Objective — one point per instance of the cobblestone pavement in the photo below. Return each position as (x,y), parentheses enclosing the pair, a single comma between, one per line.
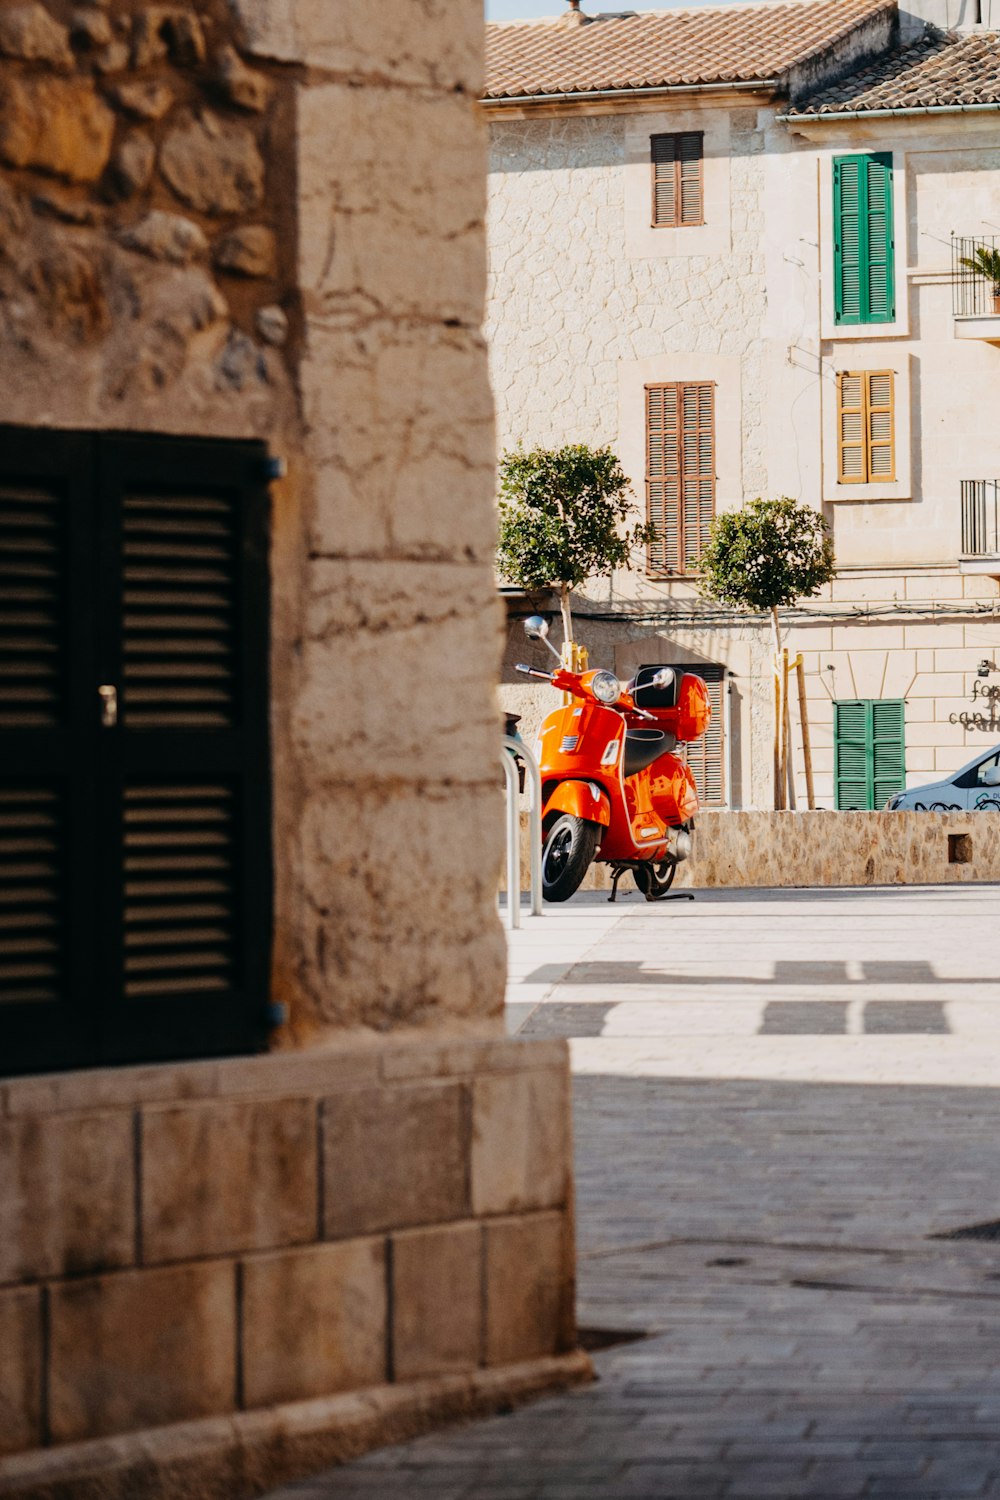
(781,1098)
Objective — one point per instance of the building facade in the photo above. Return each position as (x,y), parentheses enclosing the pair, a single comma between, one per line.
(724,244)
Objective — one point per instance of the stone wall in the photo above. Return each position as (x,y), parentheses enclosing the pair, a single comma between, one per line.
(181,1244)
(766,850)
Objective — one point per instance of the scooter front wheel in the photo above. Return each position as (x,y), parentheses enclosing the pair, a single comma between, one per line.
(570,846)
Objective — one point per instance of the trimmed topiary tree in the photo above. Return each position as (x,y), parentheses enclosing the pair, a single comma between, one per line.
(563,519)
(769,555)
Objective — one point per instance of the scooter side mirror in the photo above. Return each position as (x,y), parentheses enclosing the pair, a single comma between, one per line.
(663,679)
(536,628)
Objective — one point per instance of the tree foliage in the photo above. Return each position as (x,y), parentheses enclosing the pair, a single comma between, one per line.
(769,554)
(563,518)
(985,262)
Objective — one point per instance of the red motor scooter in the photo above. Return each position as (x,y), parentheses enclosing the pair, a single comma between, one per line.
(613,791)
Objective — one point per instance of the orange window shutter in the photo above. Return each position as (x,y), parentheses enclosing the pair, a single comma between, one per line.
(881,426)
(852,428)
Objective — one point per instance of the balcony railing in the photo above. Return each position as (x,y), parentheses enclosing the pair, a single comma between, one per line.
(980,514)
(972,292)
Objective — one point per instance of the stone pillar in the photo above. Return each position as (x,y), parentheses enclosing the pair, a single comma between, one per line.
(265,218)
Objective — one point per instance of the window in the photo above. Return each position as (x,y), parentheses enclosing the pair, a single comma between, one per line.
(134,768)
(680,473)
(678,193)
(866,416)
(869,752)
(864,240)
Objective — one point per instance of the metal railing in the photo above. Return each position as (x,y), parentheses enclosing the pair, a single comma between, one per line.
(980,516)
(509,749)
(972,291)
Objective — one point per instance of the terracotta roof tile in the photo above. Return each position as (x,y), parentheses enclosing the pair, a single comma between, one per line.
(941,69)
(660,49)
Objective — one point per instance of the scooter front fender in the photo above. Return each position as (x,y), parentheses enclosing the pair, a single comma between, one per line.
(582,799)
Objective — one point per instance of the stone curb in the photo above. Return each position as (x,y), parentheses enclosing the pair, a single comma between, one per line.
(253,1452)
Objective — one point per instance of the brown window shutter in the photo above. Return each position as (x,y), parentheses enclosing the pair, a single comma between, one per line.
(680,474)
(678,194)
(866,418)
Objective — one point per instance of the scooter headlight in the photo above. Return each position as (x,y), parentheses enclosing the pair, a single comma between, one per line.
(605,687)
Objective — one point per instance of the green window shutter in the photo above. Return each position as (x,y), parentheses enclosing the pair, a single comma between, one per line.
(864,245)
(869,752)
(888,749)
(852,756)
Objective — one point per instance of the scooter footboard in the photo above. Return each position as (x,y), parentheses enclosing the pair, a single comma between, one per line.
(582,799)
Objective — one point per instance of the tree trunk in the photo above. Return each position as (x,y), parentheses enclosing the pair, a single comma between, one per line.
(567,616)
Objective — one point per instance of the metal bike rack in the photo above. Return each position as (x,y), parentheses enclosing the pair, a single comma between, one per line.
(509,749)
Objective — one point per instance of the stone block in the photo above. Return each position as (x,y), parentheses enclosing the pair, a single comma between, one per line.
(66,1195)
(436,207)
(441,46)
(226,1177)
(530,1288)
(20,1370)
(437,1304)
(374,950)
(314,1322)
(521,1142)
(398,471)
(141,1349)
(394,1157)
(56,125)
(436,611)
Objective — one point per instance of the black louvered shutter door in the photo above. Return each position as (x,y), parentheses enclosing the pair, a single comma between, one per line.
(186,796)
(48,709)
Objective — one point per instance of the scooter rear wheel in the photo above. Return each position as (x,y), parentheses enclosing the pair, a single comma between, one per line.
(570,846)
(654,881)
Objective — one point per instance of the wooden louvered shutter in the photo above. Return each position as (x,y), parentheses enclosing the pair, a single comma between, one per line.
(852,438)
(888,732)
(706,756)
(48,822)
(864,240)
(852,756)
(866,427)
(663,477)
(678,191)
(698,475)
(187,802)
(880,425)
(680,473)
(869,751)
(880,280)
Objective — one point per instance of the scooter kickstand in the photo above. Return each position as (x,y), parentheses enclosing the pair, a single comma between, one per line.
(619,871)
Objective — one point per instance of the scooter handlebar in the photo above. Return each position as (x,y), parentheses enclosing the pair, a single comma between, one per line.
(533,671)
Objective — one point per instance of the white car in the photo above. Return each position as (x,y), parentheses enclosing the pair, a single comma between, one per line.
(975,787)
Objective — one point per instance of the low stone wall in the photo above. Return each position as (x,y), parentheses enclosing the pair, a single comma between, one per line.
(179,1244)
(761,849)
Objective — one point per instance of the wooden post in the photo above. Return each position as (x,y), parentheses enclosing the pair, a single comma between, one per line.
(787,758)
(779,719)
(806,741)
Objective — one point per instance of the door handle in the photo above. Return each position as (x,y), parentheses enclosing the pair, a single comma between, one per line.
(108,695)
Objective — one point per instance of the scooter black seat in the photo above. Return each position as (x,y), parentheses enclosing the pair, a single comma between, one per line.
(643,746)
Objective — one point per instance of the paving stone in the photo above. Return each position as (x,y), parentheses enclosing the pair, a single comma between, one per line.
(841,1354)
